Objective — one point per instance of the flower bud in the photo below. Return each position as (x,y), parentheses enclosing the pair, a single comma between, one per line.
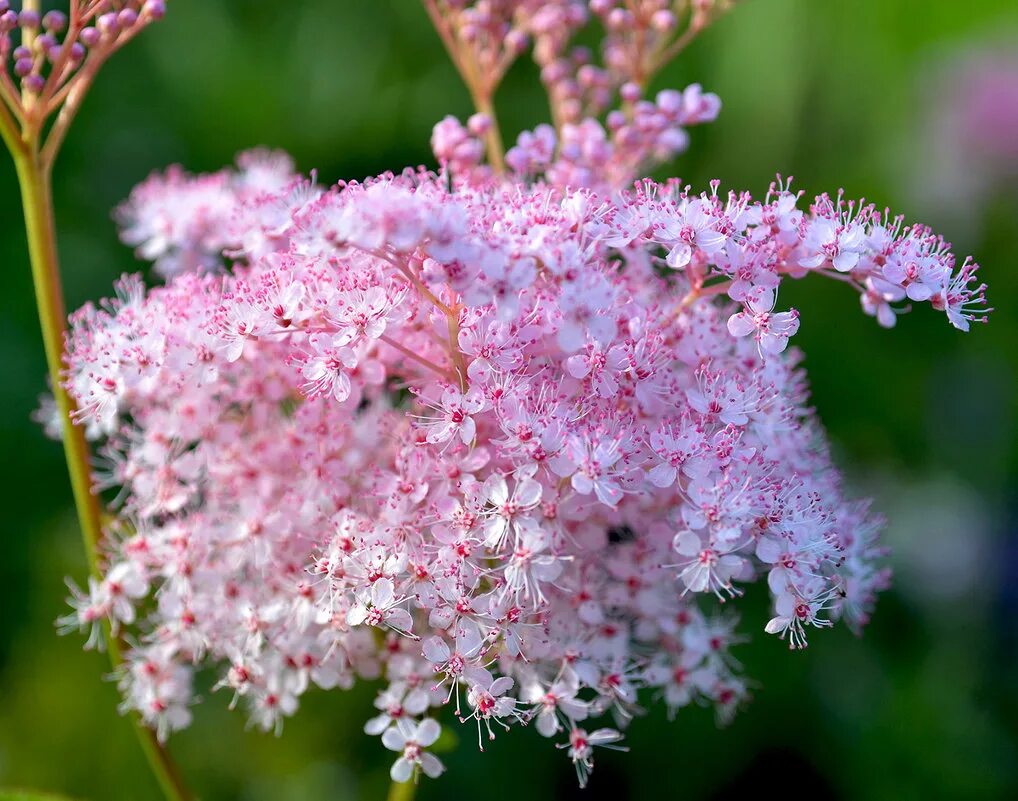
(54,21)
(516,41)
(663,21)
(90,37)
(33,83)
(479,124)
(630,92)
(156,9)
(28,19)
(107,24)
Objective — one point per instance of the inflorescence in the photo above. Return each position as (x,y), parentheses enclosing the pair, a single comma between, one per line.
(505,440)
(47,59)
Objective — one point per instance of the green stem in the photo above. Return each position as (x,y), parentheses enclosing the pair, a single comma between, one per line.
(493,138)
(402,791)
(38,206)
(34,176)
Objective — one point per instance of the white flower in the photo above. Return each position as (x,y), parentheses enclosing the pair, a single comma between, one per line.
(412,739)
(379,606)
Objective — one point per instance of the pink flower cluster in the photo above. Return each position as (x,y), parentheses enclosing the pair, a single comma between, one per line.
(505,442)
(183,223)
(504,446)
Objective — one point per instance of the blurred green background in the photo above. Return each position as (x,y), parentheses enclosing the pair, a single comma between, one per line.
(924,706)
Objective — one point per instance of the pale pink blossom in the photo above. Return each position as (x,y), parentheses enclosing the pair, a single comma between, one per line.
(465,433)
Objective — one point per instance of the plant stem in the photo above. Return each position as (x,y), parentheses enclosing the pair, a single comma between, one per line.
(37,202)
(493,137)
(34,177)
(402,791)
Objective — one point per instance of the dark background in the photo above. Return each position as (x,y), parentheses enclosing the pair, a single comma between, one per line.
(836,93)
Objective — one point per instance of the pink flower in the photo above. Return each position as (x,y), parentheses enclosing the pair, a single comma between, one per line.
(771,329)
(411,740)
(362,314)
(326,368)
(922,276)
(509,512)
(601,366)
(555,703)
(455,416)
(380,606)
(591,468)
(488,701)
(581,747)
(695,226)
(877,299)
(707,567)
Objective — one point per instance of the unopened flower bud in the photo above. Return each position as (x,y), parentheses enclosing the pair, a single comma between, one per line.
(587,76)
(90,37)
(34,82)
(516,41)
(28,19)
(156,9)
(45,42)
(54,21)
(669,101)
(663,21)
(577,15)
(479,124)
(619,19)
(630,92)
(554,72)
(107,24)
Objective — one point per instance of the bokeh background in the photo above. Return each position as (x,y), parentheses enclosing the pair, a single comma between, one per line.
(876,96)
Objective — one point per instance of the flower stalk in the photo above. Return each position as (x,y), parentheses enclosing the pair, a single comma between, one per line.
(34,144)
(35,179)
(402,791)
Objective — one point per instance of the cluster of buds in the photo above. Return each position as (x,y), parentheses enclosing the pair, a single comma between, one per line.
(644,35)
(486,36)
(459,148)
(640,37)
(585,154)
(49,60)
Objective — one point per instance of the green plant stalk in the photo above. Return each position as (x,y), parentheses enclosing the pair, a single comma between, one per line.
(402,791)
(35,179)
